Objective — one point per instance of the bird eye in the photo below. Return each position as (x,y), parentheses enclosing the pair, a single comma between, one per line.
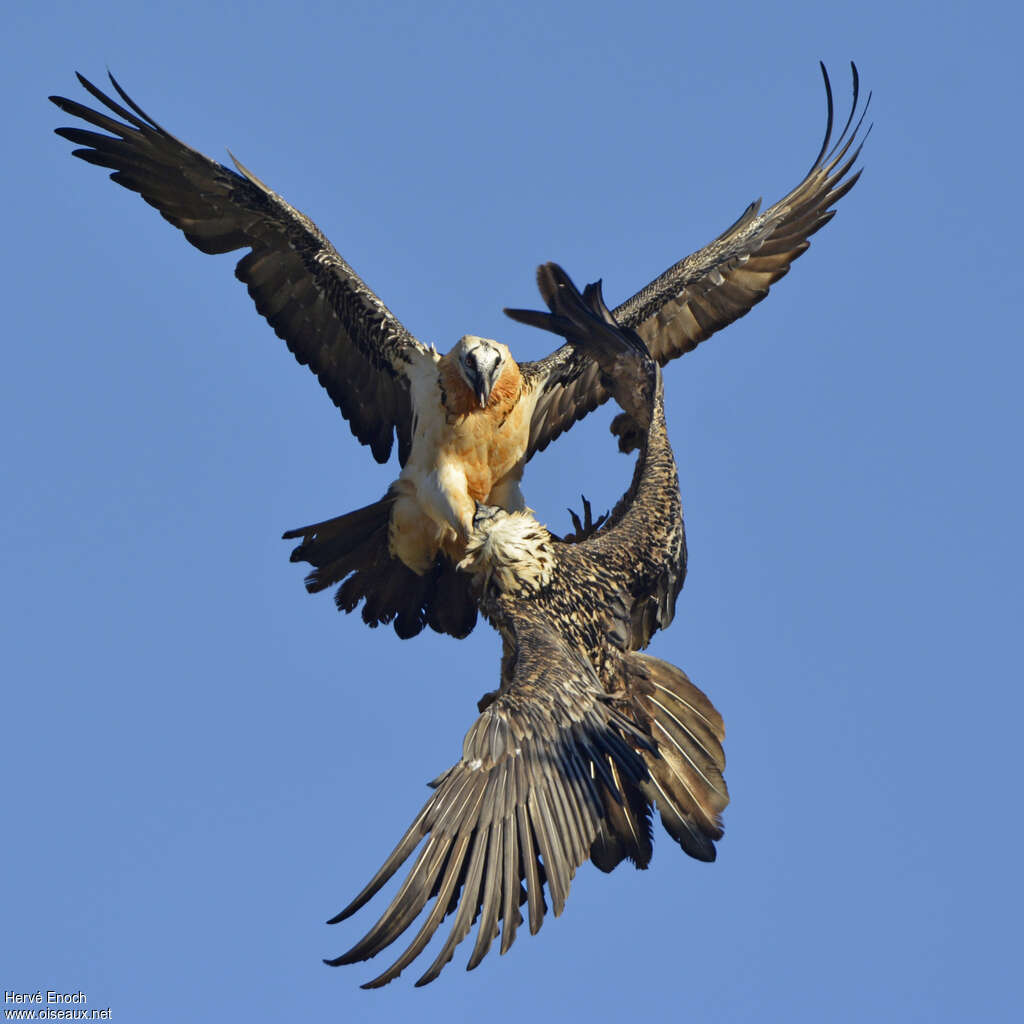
(471,361)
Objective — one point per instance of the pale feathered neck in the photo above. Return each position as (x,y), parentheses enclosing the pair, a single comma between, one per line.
(510,552)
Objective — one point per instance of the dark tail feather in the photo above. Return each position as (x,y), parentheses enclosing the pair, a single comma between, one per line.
(339,546)
(441,598)
(352,550)
(451,607)
(686,783)
(625,830)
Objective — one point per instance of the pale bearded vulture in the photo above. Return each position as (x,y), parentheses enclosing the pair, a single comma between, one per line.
(585,736)
(468,421)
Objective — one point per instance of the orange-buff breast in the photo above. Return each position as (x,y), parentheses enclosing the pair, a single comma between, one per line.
(486,442)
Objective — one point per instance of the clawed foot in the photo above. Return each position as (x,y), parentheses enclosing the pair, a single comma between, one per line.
(585,528)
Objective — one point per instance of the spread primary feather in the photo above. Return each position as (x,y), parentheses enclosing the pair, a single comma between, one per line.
(467,422)
(586,735)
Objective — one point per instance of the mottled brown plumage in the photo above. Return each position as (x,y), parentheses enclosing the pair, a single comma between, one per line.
(585,735)
(709,289)
(396,555)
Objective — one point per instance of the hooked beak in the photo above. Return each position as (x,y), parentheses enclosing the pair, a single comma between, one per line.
(481,366)
(482,384)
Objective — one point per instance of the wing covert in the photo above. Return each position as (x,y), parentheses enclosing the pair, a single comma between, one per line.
(518,812)
(330,320)
(712,287)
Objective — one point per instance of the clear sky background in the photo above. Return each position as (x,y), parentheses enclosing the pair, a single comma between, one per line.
(201,762)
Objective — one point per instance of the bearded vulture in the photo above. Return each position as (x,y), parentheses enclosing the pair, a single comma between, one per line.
(466,422)
(585,735)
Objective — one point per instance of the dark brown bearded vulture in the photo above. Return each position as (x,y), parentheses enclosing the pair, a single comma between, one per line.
(585,736)
(468,421)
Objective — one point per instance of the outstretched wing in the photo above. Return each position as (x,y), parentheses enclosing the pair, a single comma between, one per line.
(522,807)
(311,297)
(711,288)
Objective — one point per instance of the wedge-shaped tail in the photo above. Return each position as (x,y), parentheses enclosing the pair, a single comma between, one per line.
(686,783)
(352,550)
(684,764)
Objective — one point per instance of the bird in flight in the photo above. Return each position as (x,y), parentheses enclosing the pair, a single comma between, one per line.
(585,736)
(468,421)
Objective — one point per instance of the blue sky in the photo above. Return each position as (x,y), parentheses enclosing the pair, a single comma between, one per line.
(202,763)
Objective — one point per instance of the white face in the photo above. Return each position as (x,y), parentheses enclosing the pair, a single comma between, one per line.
(480,362)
